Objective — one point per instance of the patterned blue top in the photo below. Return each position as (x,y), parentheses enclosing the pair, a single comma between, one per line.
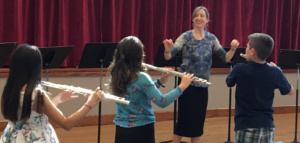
(197,54)
(140,94)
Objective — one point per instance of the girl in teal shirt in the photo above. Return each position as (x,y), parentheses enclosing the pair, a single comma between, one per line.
(135,122)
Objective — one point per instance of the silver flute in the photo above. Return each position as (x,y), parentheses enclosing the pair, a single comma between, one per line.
(179,74)
(271,63)
(84,91)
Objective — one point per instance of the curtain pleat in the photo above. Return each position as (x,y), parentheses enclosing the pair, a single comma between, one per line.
(47,23)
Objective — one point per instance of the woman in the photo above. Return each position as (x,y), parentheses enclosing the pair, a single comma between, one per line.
(196,46)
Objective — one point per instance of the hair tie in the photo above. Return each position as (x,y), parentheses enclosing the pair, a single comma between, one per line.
(122,57)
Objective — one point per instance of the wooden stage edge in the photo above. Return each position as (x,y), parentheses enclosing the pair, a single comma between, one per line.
(163,116)
(73,72)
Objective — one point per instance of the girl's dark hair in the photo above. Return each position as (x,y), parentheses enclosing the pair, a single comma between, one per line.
(126,65)
(25,69)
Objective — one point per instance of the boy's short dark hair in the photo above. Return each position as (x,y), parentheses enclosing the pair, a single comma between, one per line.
(262,43)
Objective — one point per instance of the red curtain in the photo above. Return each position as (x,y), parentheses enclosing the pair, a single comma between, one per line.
(74,22)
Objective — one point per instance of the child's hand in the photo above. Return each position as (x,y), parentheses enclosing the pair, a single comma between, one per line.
(165,76)
(186,80)
(95,98)
(63,97)
(273,64)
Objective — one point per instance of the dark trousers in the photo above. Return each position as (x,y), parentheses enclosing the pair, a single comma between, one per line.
(141,134)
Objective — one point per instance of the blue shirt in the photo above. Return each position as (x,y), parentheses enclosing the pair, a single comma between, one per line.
(140,94)
(197,54)
(255,85)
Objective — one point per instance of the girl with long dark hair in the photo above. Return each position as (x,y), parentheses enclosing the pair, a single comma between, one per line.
(135,122)
(27,108)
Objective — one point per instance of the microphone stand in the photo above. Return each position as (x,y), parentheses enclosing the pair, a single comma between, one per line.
(100,103)
(229,109)
(47,74)
(175,103)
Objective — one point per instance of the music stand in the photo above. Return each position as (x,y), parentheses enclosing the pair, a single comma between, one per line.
(160,59)
(97,55)
(217,62)
(236,58)
(5,51)
(176,62)
(94,52)
(53,57)
(290,59)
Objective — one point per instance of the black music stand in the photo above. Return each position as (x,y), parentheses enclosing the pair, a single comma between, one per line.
(5,51)
(53,57)
(218,63)
(176,62)
(97,55)
(290,59)
(160,59)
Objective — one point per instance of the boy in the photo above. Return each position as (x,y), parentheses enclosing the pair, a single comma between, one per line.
(256,82)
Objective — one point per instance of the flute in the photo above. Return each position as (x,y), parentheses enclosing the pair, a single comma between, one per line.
(84,91)
(179,74)
(271,63)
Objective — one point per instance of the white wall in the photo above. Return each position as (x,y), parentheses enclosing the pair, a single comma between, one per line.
(218,93)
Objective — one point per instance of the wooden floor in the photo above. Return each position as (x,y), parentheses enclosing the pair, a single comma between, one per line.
(215,131)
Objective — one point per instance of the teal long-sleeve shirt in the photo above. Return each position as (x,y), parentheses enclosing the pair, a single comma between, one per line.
(140,94)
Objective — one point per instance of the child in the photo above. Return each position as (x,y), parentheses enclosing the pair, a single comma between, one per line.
(28,108)
(135,122)
(256,82)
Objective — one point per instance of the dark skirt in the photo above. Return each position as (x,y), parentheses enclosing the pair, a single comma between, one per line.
(192,105)
(141,134)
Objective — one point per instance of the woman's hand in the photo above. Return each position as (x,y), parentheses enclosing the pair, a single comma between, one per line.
(234,44)
(168,43)
(63,97)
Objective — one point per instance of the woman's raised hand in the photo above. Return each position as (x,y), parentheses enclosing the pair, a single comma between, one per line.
(168,43)
(234,44)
